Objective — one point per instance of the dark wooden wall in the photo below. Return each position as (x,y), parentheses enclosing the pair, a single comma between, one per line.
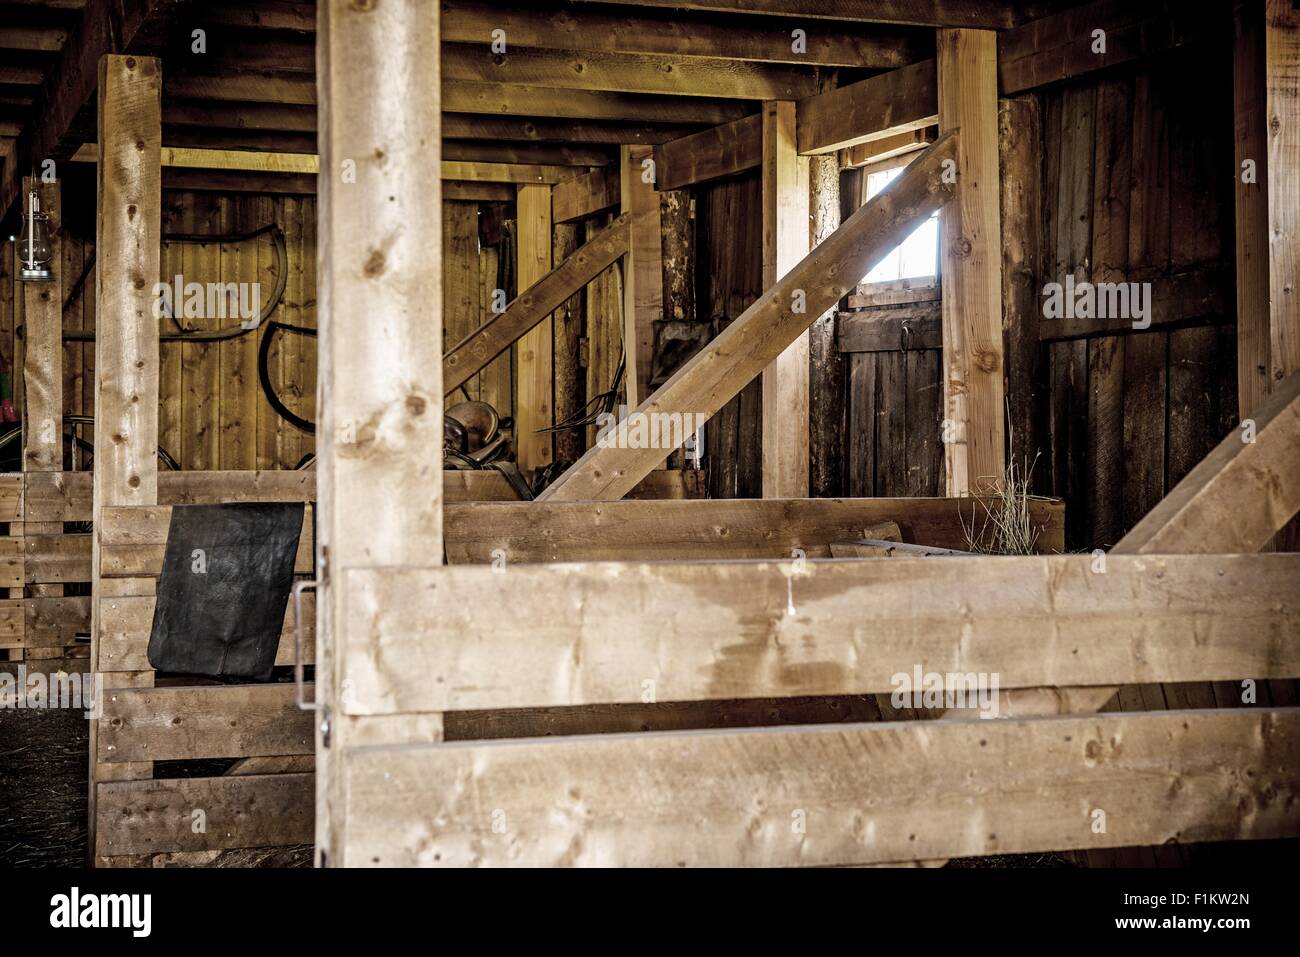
(729,276)
(1137,186)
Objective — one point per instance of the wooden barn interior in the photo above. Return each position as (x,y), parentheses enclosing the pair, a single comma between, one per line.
(675,395)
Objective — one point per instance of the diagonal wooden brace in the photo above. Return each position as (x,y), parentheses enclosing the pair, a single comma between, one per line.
(726,365)
(475,351)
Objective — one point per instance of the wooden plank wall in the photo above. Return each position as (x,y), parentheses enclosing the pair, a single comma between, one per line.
(1136,186)
(469,277)
(212,414)
(729,277)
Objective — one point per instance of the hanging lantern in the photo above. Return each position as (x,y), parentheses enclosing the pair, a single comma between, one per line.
(34,251)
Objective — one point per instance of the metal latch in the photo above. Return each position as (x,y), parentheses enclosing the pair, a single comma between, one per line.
(300,686)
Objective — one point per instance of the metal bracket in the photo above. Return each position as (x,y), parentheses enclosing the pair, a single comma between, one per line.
(300,687)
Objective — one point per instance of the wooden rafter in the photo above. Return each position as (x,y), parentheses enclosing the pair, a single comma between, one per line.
(988,14)
(596,29)
(710,154)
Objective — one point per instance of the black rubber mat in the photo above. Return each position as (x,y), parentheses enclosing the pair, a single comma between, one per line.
(225,583)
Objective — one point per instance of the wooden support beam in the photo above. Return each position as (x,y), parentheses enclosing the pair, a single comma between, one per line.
(727,364)
(1240,494)
(532,129)
(785,245)
(1064,46)
(1020,145)
(535,405)
(877,108)
(643,282)
(679,799)
(1251,193)
(891,147)
(43,350)
(714,529)
(710,154)
(971,270)
(128,240)
(595,30)
(469,356)
(379,433)
(827,379)
(988,14)
(584,196)
(1282,58)
(178,157)
(540,154)
(478,192)
(725,629)
(242,116)
(626,73)
(496,99)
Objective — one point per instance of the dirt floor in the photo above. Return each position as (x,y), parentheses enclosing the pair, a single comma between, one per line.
(44,765)
(43,771)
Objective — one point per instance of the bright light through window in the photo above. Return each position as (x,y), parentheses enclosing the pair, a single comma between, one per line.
(915,256)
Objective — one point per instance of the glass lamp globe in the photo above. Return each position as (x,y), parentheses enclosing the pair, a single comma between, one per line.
(34,244)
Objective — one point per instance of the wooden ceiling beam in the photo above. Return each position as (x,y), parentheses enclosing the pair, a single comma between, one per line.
(627,73)
(487,98)
(585,196)
(1061,47)
(296,15)
(104,27)
(986,14)
(240,116)
(42,39)
(763,40)
(532,129)
(760,39)
(19,75)
(537,153)
(710,154)
(876,108)
(309,164)
(524,100)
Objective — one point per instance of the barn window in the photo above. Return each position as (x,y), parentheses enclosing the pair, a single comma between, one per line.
(917,255)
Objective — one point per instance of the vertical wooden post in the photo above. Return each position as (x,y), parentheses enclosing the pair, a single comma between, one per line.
(1266,106)
(785,243)
(1251,178)
(43,355)
(1282,54)
(826,382)
(535,408)
(643,282)
(974,413)
(570,379)
(128,238)
(379,392)
(1019,148)
(43,379)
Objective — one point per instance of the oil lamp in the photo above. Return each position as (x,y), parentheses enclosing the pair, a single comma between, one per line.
(34,244)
